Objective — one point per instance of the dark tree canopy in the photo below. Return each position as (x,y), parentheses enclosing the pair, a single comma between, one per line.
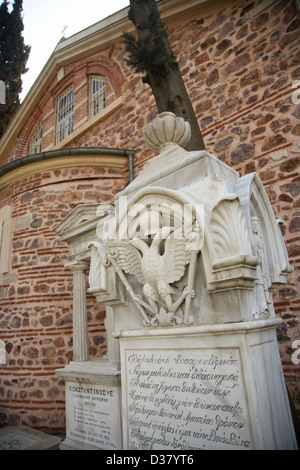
(152,54)
(13,58)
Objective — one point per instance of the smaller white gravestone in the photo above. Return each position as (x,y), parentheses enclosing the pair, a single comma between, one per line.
(93,416)
(93,386)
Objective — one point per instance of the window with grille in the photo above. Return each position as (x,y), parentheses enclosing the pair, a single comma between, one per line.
(36,140)
(97,99)
(64,114)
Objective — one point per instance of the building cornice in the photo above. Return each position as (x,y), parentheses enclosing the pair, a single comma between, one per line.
(65,158)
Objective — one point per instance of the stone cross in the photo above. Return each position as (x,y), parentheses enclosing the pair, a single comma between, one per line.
(63,32)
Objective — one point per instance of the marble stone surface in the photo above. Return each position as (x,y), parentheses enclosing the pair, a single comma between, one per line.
(186,262)
(93,406)
(25,438)
(207,388)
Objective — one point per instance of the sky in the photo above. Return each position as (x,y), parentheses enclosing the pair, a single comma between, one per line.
(44,22)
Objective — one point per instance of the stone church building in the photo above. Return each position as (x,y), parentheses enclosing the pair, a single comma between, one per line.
(77,139)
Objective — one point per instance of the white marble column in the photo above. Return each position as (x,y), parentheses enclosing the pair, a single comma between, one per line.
(80,328)
(113,347)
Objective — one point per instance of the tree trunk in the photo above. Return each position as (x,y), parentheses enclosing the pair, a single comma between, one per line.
(166,82)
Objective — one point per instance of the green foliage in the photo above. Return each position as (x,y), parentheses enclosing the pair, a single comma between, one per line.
(151,52)
(13,58)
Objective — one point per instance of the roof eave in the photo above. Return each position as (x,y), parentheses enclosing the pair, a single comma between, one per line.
(99,35)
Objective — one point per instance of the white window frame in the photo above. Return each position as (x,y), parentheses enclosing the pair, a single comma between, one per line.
(97,94)
(64,114)
(37,140)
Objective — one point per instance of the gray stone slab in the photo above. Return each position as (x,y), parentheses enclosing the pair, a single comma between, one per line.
(25,438)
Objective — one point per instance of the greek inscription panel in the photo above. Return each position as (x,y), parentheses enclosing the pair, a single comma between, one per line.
(92,415)
(186,399)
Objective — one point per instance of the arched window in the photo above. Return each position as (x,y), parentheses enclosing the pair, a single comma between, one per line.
(97,94)
(36,140)
(64,114)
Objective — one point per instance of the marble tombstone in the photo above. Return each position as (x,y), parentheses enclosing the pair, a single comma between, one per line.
(186,261)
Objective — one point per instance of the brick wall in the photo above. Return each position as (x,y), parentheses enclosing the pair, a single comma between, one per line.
(36,294)
(239,65)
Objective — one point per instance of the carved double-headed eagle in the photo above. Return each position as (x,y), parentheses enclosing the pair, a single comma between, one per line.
(156,264)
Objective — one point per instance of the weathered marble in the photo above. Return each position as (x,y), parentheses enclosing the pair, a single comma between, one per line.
(198,252)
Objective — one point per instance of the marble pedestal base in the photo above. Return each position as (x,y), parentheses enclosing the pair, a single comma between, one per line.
(212,387)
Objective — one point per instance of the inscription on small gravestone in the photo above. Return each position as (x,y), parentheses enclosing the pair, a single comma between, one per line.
(93,406)
(186,399)
(2,353)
